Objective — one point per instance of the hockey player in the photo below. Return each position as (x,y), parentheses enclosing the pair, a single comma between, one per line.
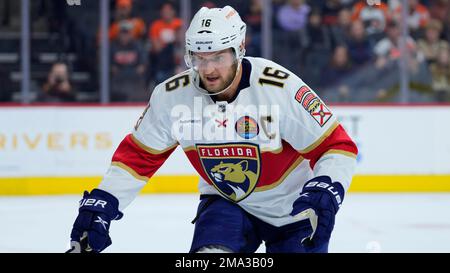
(273,160)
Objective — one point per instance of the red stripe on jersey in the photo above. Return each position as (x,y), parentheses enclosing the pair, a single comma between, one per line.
(337,140)
(139,160)
(275,165)
(195,161)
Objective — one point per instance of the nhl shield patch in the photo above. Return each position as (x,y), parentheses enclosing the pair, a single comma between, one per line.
(233,168)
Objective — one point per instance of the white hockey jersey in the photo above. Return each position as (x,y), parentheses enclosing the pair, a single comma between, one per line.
(257,150)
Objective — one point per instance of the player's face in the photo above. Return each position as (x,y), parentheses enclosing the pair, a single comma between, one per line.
(216,69)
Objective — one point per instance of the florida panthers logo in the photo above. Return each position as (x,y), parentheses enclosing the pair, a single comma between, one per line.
(236,173)
(233,169)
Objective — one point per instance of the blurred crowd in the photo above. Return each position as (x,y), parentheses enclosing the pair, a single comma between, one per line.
(350,51)
(346,50)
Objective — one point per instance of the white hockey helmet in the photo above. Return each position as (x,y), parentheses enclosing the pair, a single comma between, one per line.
(214,30)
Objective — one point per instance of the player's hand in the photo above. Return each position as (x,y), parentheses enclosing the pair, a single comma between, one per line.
(90,231)
(318,202)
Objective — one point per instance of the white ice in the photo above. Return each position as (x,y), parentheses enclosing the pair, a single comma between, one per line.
(161,223)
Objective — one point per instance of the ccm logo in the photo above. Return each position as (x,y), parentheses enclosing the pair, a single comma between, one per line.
(328,187)
(93,202)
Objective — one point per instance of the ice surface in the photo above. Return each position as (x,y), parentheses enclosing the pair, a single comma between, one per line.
(161,223)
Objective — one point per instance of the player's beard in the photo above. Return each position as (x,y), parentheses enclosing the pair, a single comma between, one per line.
(224,82)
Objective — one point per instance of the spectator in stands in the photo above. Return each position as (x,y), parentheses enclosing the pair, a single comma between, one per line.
(431,45)
(439,10)
(253,18)
(388,49)
(58,87)
(374,17)
(388,55)
(123,11)
(316,44)
(330,11)
(336,74)
(360,48)
(292,18)
(341,30)
(165,38)
(393,4)
(128,64)
(418,16)
(440,73)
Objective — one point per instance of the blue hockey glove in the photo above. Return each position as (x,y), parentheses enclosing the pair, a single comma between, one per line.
(90,231)
(319,202)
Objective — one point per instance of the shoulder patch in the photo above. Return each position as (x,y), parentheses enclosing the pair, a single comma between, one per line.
(313,105)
